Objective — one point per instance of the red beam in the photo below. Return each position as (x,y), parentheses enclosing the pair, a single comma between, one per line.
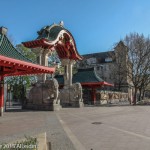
(98,84)
(22,65)
(62,52)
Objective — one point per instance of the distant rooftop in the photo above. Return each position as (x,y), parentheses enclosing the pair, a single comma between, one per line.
(100,54)
(82,76)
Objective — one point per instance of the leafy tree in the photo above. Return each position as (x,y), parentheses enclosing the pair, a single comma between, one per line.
(20,83)
(26,52)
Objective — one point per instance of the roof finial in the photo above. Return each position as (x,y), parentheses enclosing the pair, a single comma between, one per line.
(3,30)
(61,23)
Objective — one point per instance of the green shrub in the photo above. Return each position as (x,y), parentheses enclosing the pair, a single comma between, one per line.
(29,143)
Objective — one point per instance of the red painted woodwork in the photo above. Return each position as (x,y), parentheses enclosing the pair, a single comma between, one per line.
(38,43)
(96,84)
(93,95)
(65,50)
(13,67)
(93,84)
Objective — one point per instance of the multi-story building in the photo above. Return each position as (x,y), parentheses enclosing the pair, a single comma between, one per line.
(111,66)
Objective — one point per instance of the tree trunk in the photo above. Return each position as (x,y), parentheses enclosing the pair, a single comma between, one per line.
(140,95)
(119,87)
(143,94)
(135,96)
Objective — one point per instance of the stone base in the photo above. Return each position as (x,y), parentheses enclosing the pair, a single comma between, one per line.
(81,104)
(1,111)
(57,107)
(45,107)
(72,104)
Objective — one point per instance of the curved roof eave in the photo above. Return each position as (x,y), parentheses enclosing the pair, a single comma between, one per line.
(51,35)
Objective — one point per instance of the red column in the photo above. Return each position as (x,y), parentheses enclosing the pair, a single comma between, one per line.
(1,96)
(94,95)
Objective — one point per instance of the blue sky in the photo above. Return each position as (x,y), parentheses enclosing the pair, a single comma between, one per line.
(95,24)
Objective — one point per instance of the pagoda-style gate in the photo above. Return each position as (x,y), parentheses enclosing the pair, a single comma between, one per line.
(56,37)
(15,67)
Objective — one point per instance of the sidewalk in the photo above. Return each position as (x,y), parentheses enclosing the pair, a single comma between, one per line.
(97,128)
(15,125)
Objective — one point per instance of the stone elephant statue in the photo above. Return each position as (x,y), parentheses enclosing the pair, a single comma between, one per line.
(52,89)
(71,96)
(77,88)
(44,93)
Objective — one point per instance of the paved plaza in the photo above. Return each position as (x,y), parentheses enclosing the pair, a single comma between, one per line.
(96,128)
(17,125)
(110,128)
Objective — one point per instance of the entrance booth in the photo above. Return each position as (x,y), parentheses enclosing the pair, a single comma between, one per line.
(13,63)
(90,82)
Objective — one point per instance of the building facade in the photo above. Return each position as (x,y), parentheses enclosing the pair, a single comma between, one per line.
(111,66)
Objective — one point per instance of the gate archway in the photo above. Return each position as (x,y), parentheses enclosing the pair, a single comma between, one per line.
(56,38)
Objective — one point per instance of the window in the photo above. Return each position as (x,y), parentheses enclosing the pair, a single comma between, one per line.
(108,59)
(98,68)
(91,61)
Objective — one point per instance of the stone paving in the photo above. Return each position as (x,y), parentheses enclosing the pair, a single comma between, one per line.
(110,128)
(87,128)
(14,125)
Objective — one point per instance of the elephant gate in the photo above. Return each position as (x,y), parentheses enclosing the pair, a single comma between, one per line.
(45,94)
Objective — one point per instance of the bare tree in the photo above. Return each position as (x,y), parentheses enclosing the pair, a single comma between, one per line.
(138,61)
(144,86)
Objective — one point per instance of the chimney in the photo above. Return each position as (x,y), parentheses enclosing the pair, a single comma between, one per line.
(3,30)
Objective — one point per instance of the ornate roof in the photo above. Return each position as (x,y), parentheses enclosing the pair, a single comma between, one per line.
(8,50)
(56,37)
(13,63)
(50,32)
(87,77)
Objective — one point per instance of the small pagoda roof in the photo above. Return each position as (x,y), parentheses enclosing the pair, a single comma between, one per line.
(87,77)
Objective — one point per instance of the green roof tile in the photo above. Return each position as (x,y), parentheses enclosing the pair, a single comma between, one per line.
(50,32)
(8,50)
(82,76)
(86,75)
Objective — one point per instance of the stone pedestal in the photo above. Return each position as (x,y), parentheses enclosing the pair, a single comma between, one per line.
(57,107)
(71,94)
